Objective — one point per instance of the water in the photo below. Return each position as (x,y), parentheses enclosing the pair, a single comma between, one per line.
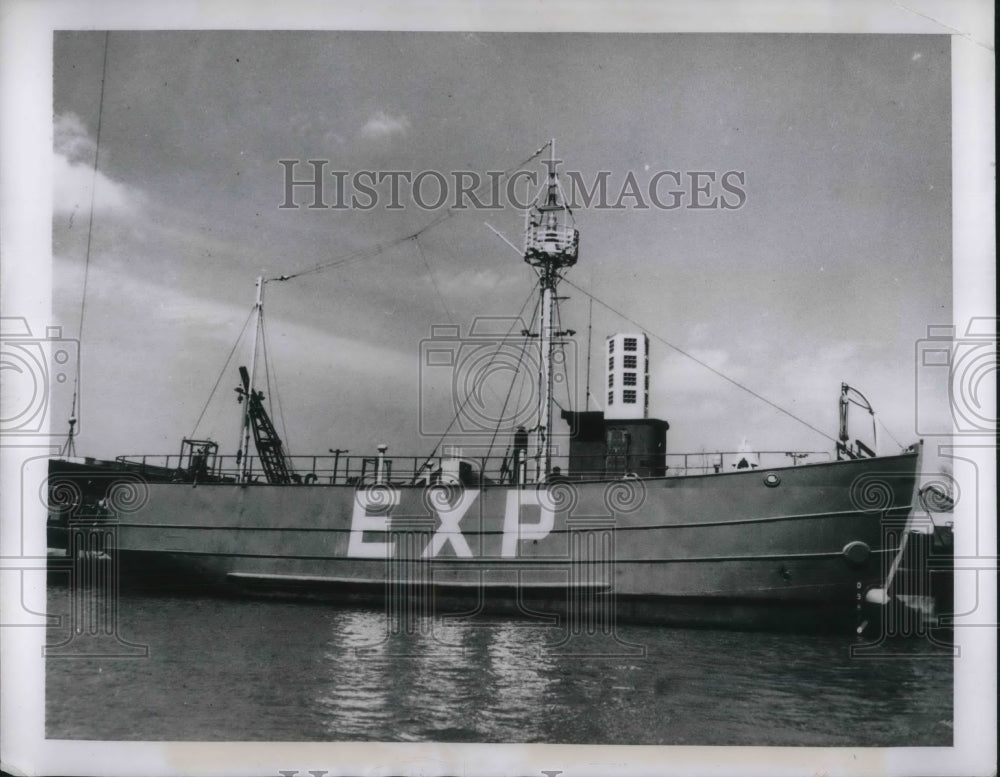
(247,669)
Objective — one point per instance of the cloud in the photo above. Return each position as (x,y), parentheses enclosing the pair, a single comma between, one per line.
(71,140)
(472,283)
(384,125)
(165,307)
(74,180)
(73,186)
(820,371)
(675,373)
(312,128)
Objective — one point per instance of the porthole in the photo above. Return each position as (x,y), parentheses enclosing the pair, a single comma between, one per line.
(856,552)
(771,480)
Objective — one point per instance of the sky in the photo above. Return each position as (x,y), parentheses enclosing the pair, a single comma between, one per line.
(831,270)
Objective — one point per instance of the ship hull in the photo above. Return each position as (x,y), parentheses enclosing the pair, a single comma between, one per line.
(792,547)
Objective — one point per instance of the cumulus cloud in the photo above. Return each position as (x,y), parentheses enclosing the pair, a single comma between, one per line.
(679,374)
(74,180)
(384,125)
(71,139)
(472,283)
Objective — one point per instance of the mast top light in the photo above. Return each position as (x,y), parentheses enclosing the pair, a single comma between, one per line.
(551,244)
(550,238)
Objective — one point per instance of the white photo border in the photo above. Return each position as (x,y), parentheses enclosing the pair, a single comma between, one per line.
(26,39)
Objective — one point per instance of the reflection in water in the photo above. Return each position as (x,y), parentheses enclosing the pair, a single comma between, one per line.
(518,679)
(439,697)
(352,695)
(458,681)
(293,671)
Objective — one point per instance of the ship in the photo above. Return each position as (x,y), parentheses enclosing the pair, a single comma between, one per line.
(620,529)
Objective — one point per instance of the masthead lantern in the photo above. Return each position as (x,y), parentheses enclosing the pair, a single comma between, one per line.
(551,240)
(551,243)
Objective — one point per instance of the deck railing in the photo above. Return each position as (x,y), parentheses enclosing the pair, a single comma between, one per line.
(466,469)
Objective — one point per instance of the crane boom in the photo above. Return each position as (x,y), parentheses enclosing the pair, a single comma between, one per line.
(266,440)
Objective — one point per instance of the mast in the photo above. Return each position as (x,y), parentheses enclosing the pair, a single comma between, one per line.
(590,333)
(245,429)
(547,283)
(550,244)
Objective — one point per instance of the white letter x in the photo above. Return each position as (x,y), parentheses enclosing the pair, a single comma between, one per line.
(449,530)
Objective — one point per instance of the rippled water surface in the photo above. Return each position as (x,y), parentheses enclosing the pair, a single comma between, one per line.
(244,669)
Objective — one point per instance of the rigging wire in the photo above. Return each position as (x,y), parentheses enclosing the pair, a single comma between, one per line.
(365,253)
(590,334)
(275,393)
(430,274)
(708,367)
(225,367)
(891,437)
(506,401)
(565,366)
(267,367)
(90,234)
(469,396)
(380,249)
(444,305)
(514,379)
(267,370)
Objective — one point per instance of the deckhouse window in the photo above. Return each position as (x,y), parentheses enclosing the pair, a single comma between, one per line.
(628,397)
(629,362)
(628,379)
(631,344)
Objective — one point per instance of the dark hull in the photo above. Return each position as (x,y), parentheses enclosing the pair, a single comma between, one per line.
(797,550)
